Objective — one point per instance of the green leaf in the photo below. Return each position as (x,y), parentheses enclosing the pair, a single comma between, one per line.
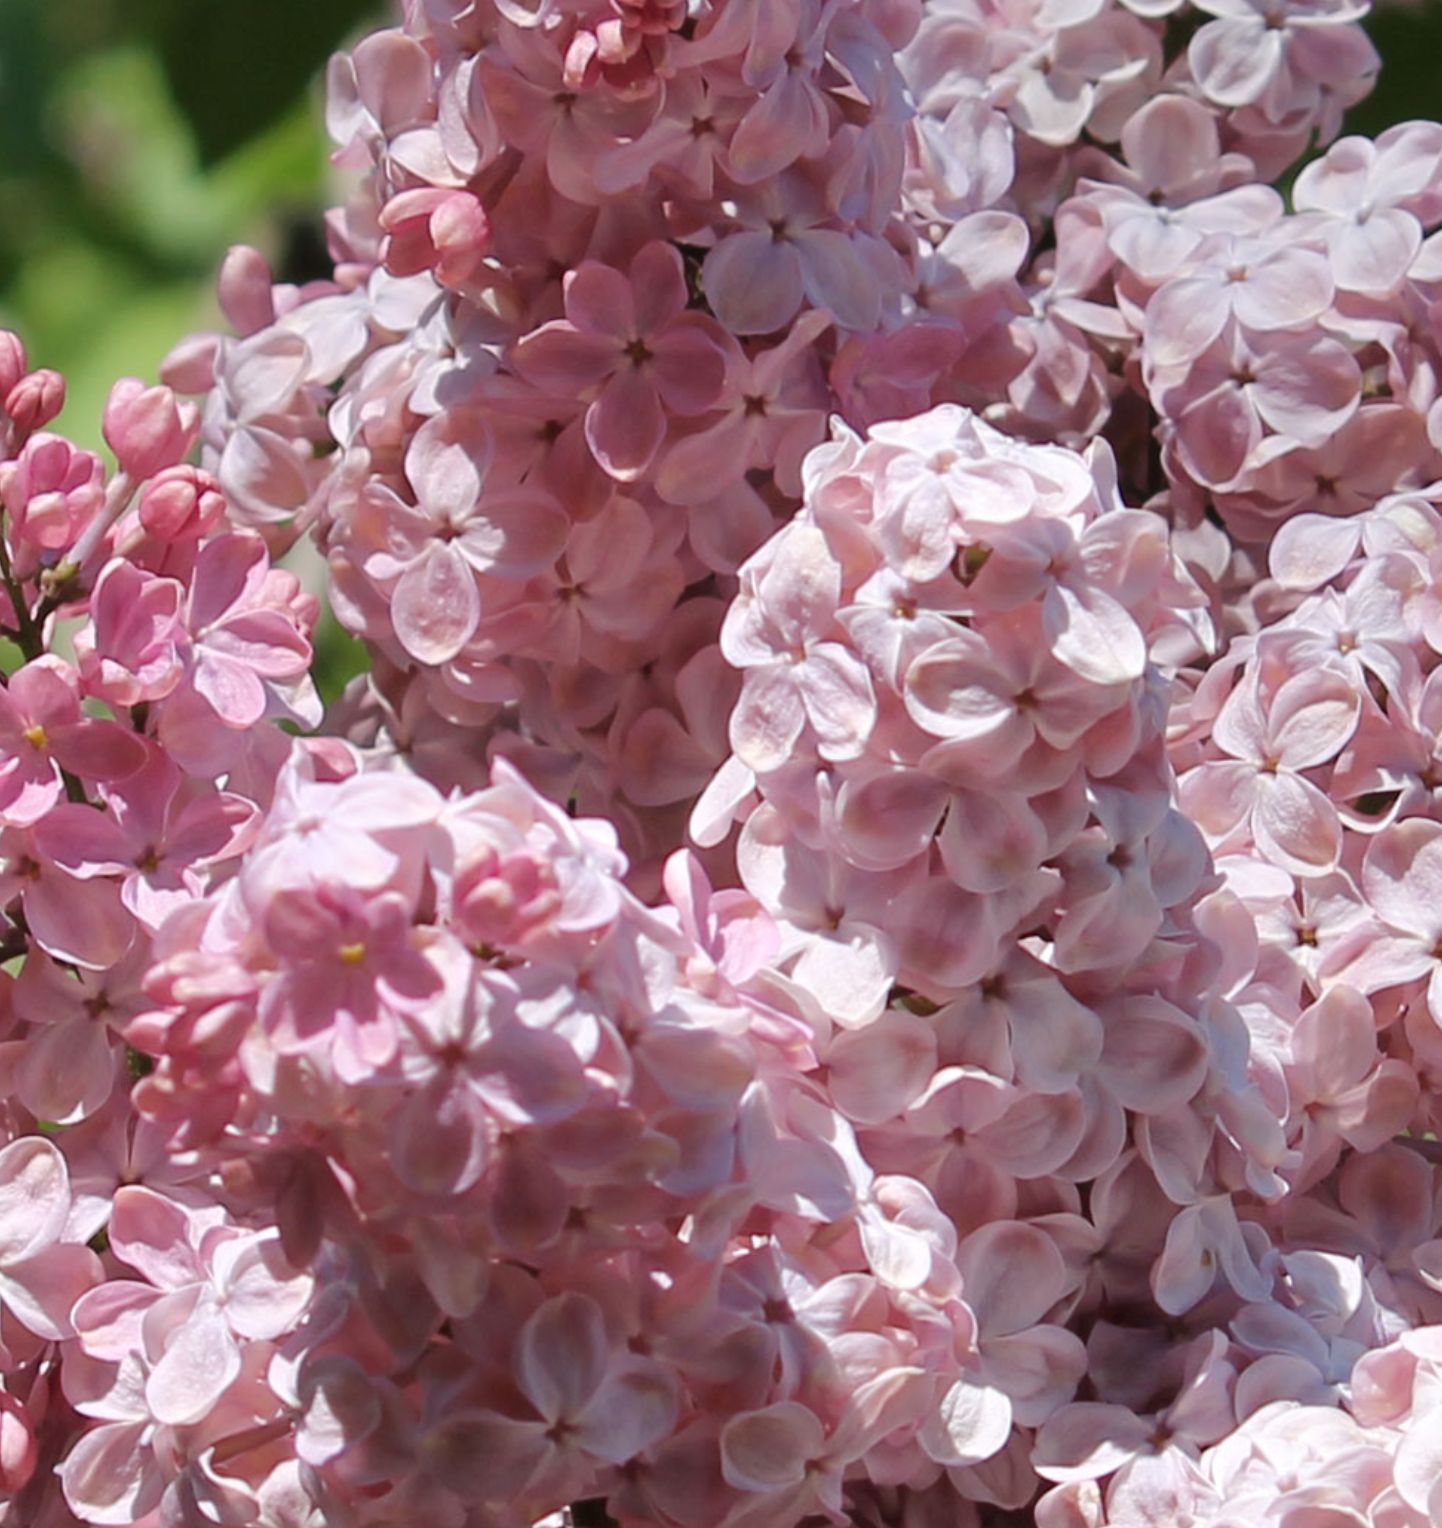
(339,657)
(235,69)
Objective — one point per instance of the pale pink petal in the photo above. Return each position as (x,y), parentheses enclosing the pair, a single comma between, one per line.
(626,425)
(972,1423)
(1295,825)
(34,1196)
(1373,255)
(111,1477)
(200,1362)
(944,935)
(341,1408)
(848,973)
(1218,796)
(99,750)
(876,1072)
(79,921)
(1011,1274)
(263,640)
(561,1356)
(262,1295)
(439,1141)
(689,369)
(953,691)
(599,302)
(1234,60)
(658,286)
(1038,1369)
(1088,1441)
(263,475)
(1154,1058)
(41,1290)
(1183,319)
(393,76)
(768,1450)
(514,535)
(1284,290)
(1336,1040)
(768,719)
(1402,877)
(891,818)
(227,570)
(445,464)
(436,606)
(67,1070)
(839,278)
(1310,550)
(1308,393)
(233,690)
(1093,635)
(1418,1465)
(1037,1135)
(153,1234)
(787,123)
(753,283)
(1218,434)
(840,703)
(563,360)
(635,1408)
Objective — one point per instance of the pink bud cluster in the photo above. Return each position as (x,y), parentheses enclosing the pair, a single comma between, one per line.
(868,949)
(153,655)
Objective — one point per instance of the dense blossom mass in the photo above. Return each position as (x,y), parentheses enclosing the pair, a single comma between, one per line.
(869,947)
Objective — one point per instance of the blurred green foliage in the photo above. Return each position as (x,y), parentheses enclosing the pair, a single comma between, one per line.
(138,140)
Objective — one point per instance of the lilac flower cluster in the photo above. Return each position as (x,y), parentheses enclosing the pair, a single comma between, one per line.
(868,948)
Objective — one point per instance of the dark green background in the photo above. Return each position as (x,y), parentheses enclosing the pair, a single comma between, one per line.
(138,140)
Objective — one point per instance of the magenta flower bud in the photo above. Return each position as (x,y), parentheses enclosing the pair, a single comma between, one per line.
(13,364)
(52,491)
(35,400)
(181,504)
(147,428)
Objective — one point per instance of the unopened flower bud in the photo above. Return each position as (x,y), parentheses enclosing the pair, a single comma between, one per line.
(181,504)
(244,289)
(147,428)
(13,364)
(35,400)
(52,491)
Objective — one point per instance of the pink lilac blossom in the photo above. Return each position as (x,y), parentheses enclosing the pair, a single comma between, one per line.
(867,948)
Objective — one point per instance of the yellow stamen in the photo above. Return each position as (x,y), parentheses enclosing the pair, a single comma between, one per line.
(35,736)
(352,954)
